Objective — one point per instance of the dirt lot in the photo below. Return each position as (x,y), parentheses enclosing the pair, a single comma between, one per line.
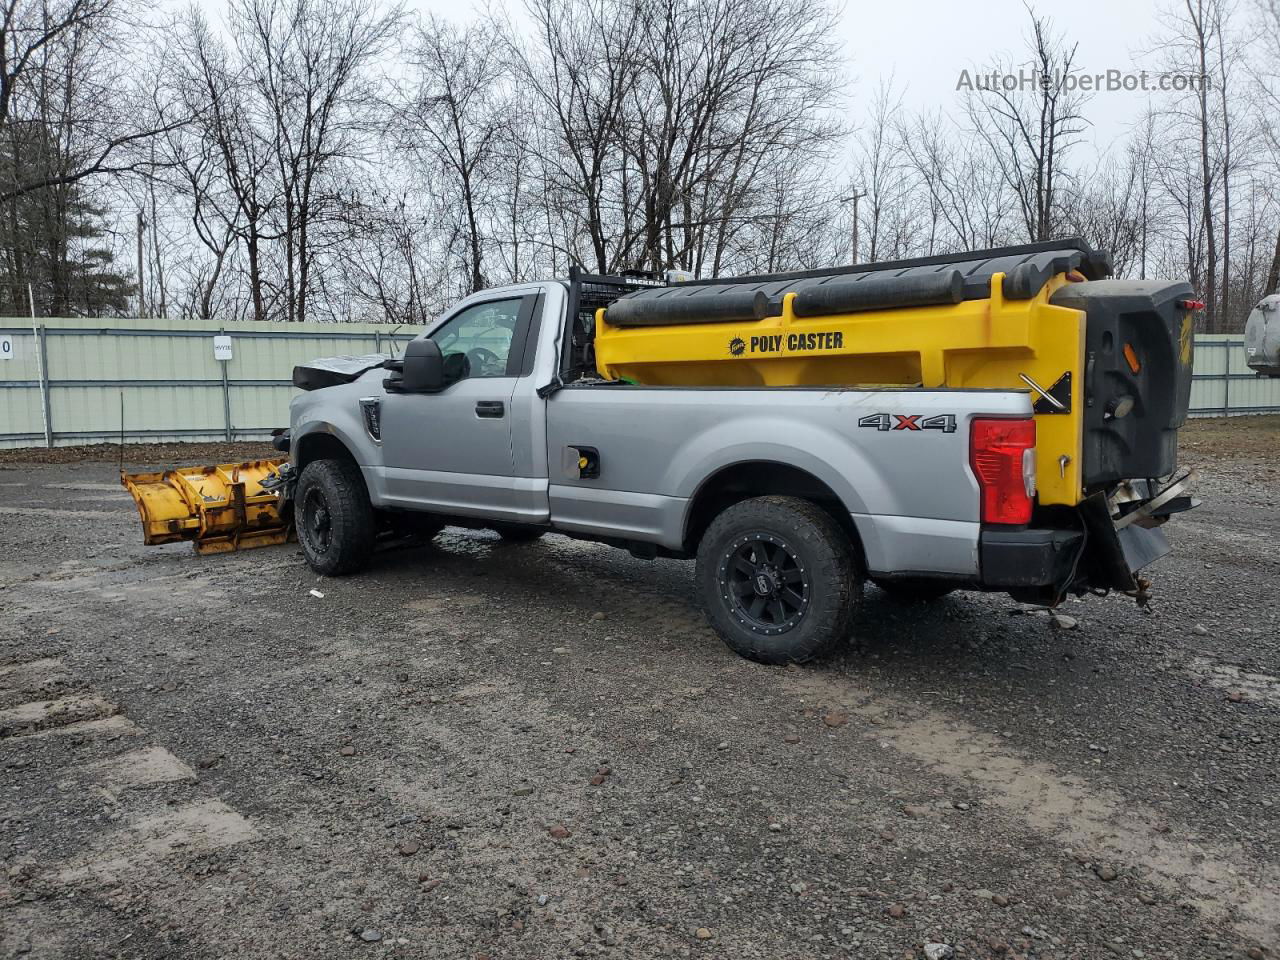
(539,751)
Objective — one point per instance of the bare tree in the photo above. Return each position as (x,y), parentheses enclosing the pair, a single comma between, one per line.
(70,113)
(285,106)
(1142,161)
(970,205)
(725,90)
(456,116)
(879,170)
(1108,210)
(578,67)
(1030,135)
(300,159)
(658,129)
(225,161)
(1191,48)
(58,51)
(214,212)
(303,61)
(1266,77)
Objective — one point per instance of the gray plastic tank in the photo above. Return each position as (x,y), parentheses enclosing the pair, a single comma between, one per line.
(1262,337)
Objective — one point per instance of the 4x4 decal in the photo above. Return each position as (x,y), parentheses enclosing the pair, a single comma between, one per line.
(945,422)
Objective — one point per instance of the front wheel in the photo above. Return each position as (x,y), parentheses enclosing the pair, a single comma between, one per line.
(778,579)
(334,518)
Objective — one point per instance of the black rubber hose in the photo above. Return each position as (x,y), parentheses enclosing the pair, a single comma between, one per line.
(880,293)
(700,308)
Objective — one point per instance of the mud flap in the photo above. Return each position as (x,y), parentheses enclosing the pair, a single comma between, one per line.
(1112,556)
(1142,545)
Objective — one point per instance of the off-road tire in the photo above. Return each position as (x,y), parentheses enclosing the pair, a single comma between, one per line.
(823,574)
(517,532)
(914,590)
(341,540)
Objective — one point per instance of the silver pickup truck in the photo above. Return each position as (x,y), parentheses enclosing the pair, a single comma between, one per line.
(495,418)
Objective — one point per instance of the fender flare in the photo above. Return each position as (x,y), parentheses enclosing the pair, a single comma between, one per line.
(688,476)
(304,436)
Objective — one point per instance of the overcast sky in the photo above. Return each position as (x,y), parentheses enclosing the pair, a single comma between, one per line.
(925,44)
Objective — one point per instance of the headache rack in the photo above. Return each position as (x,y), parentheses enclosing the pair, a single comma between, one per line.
(589,292)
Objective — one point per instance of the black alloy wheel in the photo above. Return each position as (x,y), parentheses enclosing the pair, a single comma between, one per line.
(317,520)
(764,583)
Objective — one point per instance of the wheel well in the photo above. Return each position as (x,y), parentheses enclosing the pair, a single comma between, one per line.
(759,478)
(320,446)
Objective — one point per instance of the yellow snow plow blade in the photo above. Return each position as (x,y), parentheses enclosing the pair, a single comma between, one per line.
(219,509)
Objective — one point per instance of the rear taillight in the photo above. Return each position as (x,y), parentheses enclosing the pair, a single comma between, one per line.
(1002,454)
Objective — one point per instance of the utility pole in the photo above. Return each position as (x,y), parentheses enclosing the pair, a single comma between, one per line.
(857,195)
(142,225)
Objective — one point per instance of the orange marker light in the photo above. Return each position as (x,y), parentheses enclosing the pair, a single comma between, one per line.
(1131,358)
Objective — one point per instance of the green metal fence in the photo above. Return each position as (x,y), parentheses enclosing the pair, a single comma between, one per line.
(1222,384)
(65,381)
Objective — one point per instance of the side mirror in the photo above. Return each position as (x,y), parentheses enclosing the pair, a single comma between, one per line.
(423,370)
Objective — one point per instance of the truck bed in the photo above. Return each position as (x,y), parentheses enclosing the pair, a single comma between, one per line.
(908,490)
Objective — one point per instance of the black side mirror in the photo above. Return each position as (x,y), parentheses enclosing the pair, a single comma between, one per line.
(423,369)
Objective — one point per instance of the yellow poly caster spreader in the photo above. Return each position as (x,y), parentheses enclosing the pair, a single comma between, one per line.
(1099,356)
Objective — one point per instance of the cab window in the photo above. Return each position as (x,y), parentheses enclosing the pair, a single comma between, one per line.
(477,342)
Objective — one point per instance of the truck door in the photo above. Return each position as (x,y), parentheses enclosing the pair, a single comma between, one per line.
(450,452)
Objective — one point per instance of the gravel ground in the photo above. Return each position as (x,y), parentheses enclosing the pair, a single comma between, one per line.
(478,749)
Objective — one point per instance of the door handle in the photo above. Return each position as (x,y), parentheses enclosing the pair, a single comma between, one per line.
(491,409)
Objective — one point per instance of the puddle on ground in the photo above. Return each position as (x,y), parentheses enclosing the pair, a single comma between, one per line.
(1227,676)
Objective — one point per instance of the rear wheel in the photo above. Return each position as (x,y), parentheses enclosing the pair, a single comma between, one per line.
(334,519)
(518,532)
(778,579)
(914,589)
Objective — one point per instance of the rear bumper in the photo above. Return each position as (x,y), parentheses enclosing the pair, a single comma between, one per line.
(1013,559)
(1103,558)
